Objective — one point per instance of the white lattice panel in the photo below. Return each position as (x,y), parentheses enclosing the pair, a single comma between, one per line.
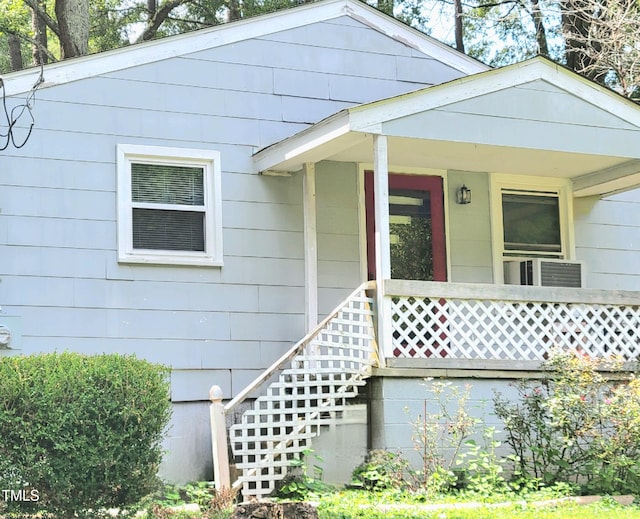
(511,330)
(312,392)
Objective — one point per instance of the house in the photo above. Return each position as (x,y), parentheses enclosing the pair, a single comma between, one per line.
(207,200)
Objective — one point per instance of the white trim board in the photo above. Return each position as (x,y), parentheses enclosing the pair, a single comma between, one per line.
(369,117)
(179,45)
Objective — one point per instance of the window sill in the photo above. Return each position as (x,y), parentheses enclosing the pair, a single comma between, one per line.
(170,260)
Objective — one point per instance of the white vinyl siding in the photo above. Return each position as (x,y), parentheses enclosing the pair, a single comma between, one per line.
(169,206)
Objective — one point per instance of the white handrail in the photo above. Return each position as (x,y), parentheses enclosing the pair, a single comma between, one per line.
(293,351)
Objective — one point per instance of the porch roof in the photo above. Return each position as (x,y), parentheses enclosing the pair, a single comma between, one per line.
(532,118)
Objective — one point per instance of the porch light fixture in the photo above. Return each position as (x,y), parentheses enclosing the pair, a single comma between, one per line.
(463,195)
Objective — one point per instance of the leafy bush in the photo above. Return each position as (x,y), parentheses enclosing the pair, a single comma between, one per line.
(381,470)
(446,430)
(80,432)
(576,426)
(300,485)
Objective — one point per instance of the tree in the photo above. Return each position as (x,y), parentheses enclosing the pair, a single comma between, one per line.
(596,38)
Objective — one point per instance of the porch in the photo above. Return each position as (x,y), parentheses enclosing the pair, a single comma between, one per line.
(502,327)
(418,327)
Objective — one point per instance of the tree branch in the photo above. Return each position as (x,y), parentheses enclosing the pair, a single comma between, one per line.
(31,41)
(154,23)
(44,16)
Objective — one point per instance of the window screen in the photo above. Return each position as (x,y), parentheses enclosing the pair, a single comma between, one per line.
(531,223)
(168,207)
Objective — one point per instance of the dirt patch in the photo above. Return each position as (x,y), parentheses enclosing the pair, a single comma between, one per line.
(275,511)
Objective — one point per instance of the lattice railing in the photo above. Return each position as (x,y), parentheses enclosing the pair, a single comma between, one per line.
(326,369)
(507,323)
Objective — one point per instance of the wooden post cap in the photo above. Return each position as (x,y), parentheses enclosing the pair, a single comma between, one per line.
(215,394)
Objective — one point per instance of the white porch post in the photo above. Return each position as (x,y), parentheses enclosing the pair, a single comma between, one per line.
(310,246)
(383,254)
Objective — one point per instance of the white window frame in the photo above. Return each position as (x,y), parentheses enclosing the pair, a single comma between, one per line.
(531,185)
(128,154)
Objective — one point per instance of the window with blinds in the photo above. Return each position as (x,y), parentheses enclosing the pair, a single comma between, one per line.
(169,206)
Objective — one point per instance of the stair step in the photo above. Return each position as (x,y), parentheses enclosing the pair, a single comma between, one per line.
(312,393)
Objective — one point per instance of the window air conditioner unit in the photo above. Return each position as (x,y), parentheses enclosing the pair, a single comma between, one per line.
(544,272)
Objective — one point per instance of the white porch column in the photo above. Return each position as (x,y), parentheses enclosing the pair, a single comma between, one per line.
(383,253)
(310,246)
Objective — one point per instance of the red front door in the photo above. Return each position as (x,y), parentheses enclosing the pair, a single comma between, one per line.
(416,227)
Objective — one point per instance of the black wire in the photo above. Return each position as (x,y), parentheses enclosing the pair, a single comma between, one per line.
(12,117)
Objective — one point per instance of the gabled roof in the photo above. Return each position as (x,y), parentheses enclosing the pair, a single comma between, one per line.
(519,119)
(156,50)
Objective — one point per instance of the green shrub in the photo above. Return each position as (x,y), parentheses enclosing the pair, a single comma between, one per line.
(577,426)
(381,470)
(80,433)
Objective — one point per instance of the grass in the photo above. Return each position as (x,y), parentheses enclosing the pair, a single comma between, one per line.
(548,503)
(342,506)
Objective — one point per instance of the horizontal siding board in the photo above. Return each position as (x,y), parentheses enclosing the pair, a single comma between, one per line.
(61,323)
(473,274)
(61,232)
(306,58)
(330,297)
(611,262)
(338,274)
(481,129)
(261,188)
(211,74)
(427,71)
(332,219)
(336,185)
(263,243)
(339,247)
(235,355)
(194,385)
(326,35)
(159,295)
(57,203)
(33,172)
(167,324)
(266,327)
(606,236)
(52,262)
(37,291)
(271,132)
(264,271)
(309,111)
(133,96)
(471,253)
(305,84)
(611,281)
(608,212)
(366,89)
(281,299)
(262,216)
(179,354)
(532,104)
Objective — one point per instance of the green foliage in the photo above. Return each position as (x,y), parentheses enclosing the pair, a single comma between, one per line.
(577,426)
(444,430)
(483,468)
(169,502)
(381,470)
(301,485)
(85,432)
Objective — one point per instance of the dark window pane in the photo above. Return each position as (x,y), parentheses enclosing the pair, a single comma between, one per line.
(410,235)
(168,230)
(531,222)
(165,184)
